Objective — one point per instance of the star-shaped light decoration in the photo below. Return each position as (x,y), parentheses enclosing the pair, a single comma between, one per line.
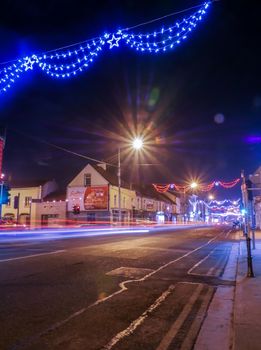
(114,41)
(29,62)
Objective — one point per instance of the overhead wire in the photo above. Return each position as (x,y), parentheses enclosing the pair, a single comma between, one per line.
(63,148)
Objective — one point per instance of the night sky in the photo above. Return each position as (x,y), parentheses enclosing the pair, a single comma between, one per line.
(175,98)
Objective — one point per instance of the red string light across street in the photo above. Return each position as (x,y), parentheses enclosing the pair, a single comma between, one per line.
(162,188)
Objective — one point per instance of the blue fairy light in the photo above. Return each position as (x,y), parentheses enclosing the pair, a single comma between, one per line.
(65,63)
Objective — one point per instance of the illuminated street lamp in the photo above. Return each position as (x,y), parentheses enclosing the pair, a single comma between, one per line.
(193,185)
(210,197)
(137,144)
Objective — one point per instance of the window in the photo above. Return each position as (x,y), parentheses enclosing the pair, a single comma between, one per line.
(27,201)
(124,202)
(87,179)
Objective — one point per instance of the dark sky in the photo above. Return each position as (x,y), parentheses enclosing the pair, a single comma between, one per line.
(216,71)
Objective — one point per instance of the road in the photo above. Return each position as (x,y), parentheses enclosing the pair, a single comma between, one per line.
(141,289)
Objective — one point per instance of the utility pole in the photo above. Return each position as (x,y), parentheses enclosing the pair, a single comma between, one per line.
(250,272)
(119,184)
(253,224)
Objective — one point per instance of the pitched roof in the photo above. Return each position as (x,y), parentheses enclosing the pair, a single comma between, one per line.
(110,174)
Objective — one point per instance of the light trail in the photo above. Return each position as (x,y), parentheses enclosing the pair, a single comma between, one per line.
(69,233)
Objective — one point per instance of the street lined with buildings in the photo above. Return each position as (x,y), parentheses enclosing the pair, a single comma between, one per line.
(94,196)
(142,290)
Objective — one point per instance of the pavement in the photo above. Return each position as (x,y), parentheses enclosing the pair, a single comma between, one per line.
(233,320)
(247,309)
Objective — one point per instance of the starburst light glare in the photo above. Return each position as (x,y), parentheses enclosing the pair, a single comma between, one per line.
(193,185)
(137,143)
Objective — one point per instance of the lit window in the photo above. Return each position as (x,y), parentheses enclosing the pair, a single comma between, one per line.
(115,200)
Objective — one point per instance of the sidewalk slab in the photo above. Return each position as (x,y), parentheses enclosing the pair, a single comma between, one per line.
(247,309)
(215,333)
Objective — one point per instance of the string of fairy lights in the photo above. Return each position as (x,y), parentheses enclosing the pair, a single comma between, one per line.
(215,203)
(69,61)
(162,188)
(228,207)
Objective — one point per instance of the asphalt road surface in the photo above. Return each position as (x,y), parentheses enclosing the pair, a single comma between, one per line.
(135,290)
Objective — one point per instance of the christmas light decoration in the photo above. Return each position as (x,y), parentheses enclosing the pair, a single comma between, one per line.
(201,187)
(67,62)
(229,184)
(229,201)
(161,188)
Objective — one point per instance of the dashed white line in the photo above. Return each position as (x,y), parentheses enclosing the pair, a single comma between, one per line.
(32,256)
(199,263)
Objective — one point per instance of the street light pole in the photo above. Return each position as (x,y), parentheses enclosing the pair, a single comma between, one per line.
(137,144)
(250,272)
(119,184)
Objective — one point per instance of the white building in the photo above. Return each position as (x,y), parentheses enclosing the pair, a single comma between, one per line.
(95,191)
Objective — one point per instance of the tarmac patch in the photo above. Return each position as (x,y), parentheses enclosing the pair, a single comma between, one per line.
(130,272)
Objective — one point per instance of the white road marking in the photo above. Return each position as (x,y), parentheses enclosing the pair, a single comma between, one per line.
(209,273)
(123,288)
(136,323)
(199,263)
(228,233)
(196,324)
(32,256)
(166,341)
(212,269)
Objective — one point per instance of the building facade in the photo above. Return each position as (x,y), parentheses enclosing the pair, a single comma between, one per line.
(95,192)
(256,183)
(22,206)
(91,197)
